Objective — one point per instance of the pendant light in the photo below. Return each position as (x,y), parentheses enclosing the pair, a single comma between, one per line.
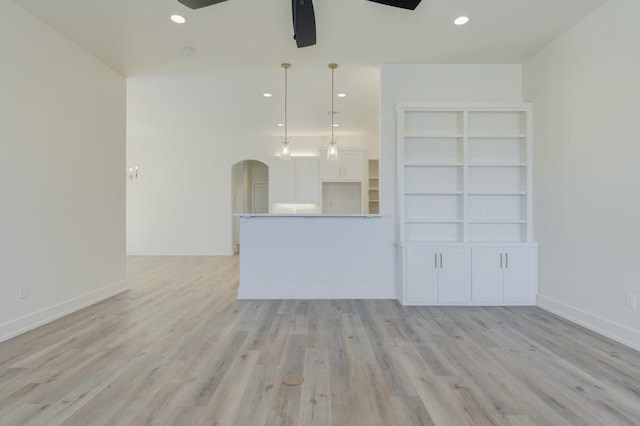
(332,152)
(285,149)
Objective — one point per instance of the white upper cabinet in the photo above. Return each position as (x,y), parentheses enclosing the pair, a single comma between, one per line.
(294,181)
(349,167)
(307,184)
(281,181)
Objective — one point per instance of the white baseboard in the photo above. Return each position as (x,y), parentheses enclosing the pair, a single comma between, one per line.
(28,322)
(288,292)
(610,329)
(153,252)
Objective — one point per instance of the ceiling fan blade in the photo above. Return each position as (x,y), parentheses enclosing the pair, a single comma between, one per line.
(304,22)
(197,4)
(405,4)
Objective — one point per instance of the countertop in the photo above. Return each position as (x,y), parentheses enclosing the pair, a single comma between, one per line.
(310,215)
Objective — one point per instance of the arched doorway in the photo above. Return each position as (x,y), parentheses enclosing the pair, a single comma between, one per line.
(250,193)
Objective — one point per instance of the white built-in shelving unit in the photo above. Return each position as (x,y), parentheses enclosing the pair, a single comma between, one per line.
(464,187)
(374,186)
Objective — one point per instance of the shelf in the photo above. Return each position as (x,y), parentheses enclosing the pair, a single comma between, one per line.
(430,164)
(432,193)
(498,193)
(498,136)
(373,203)
(464,171)
(426,230)
(497,231)
(432,241)
(497,165)
(433,221)
(426,135)
(497,221)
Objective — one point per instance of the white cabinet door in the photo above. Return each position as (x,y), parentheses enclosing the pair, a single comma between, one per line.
(294,181)
(517,276)
(329,169)
(454,285)
(434,275)
(486,275)
(421,274)
(281,181)
(349,167)
(307,183)
(352,163)
(503,275)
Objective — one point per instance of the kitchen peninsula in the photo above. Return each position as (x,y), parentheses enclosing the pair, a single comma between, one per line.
(309,256)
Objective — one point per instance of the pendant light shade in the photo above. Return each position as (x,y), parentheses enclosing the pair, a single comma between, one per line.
(285,148)
(332,152)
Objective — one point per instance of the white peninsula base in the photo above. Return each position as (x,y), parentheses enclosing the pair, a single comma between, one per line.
(316,257)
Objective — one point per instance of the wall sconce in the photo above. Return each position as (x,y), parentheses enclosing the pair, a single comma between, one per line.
(133,173)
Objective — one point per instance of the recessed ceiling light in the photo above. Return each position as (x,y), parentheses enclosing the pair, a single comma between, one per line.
(280,125)
(461,20)
(178,19)
(342,95)
(267,95)
(336,125)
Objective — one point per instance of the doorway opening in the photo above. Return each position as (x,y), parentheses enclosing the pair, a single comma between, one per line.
(250,193)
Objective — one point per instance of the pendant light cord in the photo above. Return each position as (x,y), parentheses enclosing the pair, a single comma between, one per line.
(286,67)
(285,103)
(332,67)
(332,109)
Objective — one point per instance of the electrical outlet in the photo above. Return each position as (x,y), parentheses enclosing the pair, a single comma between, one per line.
(631,301)
(22,291)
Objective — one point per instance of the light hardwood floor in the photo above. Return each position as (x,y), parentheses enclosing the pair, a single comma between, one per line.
(178,349)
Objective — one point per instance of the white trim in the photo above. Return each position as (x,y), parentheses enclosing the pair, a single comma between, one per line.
(159,252)
(610,329)
(458,106)
(290,292)
(28,322)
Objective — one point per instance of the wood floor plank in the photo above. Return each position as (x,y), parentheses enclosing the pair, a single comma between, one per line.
(315,398)
(178,348)
(411,410)
(256,398)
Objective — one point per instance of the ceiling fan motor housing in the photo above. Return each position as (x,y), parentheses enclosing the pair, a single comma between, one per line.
(304,22)
(405,4)
(197,4)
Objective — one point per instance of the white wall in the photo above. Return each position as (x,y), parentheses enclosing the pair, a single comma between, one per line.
(62,141)
(586,87)
(185,132)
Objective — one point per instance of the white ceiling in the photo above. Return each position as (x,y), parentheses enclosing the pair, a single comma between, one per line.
(250,38)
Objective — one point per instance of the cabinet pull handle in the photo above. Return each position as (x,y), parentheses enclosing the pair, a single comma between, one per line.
(440,260)
(435,260)
(506,257)
(501,260)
